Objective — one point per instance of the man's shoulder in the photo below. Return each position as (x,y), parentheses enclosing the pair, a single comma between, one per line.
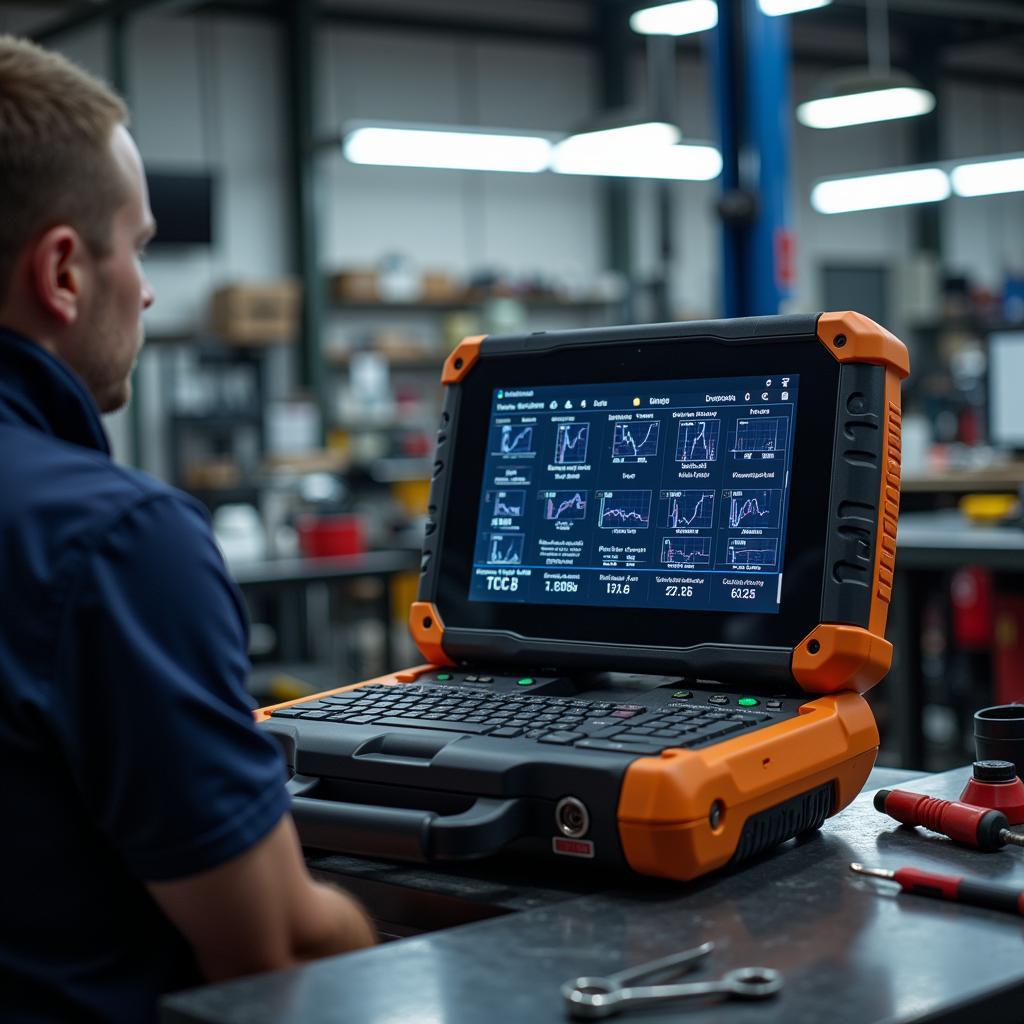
(63,492)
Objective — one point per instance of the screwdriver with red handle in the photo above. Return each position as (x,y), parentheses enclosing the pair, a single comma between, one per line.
(951,887)
(980,827)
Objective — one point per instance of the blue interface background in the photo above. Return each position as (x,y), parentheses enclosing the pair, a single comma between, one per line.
(650,494)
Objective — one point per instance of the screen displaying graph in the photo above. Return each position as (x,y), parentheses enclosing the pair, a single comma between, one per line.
(763,434)
(602,492)
(752,552)
(624,509)
(505,549)
(694,509)
(506,503)
(511,439)
(563,505)
(746,509)
(697,441)
(686,551)
(632,441)
(571,443)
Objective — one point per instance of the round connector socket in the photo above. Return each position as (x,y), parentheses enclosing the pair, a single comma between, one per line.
(572,817)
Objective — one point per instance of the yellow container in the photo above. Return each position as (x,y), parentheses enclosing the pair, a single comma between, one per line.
(412,495)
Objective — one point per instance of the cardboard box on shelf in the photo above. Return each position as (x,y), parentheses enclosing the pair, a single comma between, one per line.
(257,314)
(358,284)
(211,475)
(437,286)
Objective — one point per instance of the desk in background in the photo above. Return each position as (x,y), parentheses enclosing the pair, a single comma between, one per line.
(930,545)
(1007,477)
(295,576)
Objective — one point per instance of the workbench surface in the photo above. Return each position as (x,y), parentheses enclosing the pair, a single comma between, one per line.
(850,949)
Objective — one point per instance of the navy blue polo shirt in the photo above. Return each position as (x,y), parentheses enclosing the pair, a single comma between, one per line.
(127,749)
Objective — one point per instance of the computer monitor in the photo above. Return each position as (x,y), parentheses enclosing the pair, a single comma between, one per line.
(182,205)
(1005,375)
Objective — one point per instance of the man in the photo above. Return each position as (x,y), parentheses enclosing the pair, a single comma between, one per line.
(147,843)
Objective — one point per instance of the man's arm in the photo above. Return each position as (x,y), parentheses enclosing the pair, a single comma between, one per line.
(262,911)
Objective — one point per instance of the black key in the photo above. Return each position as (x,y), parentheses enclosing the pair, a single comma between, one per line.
(506,731)
(341,698)
(709,732)
(592,728)
(315,714)
(619,746)
(286,713)
(441,725)
(360,719)
(561,737)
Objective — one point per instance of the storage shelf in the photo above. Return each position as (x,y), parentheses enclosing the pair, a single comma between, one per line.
(469,303)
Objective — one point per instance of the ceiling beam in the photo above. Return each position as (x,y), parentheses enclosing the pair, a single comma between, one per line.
(458,26)
(1007,11)
(87,13)
(83,15)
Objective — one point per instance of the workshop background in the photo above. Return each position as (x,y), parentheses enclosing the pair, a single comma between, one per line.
(306,301)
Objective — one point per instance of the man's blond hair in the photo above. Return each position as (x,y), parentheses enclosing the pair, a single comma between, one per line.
(56,122)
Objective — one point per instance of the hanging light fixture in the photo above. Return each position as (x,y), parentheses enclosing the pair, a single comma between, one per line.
(906,187)
(468,149)
(677,19)
(989,177)
(866,96)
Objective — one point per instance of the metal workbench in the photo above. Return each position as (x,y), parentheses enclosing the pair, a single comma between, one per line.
(851,951)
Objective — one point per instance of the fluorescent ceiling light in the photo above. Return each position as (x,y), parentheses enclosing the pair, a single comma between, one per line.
(677,163)
(989,177)
(678,19)
(773,8)
(876,191)
(885,104)
(645,135)
(452,148)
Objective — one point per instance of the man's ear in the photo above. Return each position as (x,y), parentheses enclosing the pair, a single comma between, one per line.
(57,271)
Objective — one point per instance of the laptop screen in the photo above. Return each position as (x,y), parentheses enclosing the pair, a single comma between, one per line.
(645,494)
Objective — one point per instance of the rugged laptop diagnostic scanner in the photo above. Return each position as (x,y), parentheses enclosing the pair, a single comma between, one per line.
(654,585)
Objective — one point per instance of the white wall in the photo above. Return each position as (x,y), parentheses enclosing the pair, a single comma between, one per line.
(450,220)
(871,237)
(984,235)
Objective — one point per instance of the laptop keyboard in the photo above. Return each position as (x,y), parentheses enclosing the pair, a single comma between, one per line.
(564,721)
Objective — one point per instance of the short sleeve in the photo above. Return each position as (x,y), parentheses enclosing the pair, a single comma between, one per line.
(163,744)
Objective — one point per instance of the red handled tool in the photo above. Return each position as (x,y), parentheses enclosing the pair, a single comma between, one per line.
(980,827)
(950,887)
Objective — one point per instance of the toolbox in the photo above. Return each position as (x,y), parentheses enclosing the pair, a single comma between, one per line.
(656,572)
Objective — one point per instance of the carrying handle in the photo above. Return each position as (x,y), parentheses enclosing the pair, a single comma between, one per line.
(404,833)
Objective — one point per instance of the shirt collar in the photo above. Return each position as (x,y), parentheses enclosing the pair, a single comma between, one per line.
(40,391)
